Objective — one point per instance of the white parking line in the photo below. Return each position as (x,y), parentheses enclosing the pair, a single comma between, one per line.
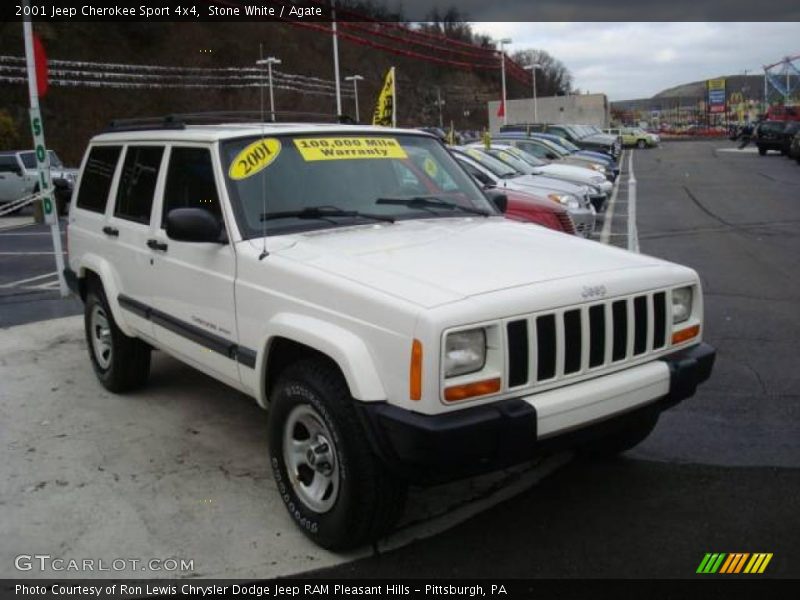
(633,232)
(21,281)
(605,234)
(28,253)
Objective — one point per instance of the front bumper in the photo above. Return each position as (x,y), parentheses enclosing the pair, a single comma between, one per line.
(435,448)
(584,220)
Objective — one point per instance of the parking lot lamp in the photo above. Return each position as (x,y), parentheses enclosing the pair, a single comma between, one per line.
(503,42)
(532,68)
(355,79)
(269,62)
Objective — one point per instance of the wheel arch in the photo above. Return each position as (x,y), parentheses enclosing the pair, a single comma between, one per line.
(293,337)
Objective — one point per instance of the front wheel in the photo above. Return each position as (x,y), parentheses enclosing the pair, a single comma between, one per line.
(334,487)
(641,144)
(762,150)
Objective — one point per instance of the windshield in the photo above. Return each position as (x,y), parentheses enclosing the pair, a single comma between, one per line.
(525,156)
(511,160)
(29,160)
(564,143)
(497,167)
(270,179)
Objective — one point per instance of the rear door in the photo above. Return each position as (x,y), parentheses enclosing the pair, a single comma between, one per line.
(129,229)
(192,287)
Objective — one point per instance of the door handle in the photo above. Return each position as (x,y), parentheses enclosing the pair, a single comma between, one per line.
(112,231)
(156,245)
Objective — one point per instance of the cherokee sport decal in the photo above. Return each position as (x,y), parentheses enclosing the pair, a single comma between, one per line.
(343,148)
(255,157)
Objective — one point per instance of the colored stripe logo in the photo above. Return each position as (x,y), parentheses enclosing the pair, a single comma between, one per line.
(734,563)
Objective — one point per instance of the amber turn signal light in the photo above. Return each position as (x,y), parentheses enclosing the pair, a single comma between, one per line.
(470,390)
(415,373)
(685,334)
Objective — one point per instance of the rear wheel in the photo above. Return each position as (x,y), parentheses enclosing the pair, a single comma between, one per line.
(762,150)
(334,487)
(121,363)
(641,144)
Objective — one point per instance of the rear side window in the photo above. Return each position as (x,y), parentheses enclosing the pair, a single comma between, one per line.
(137,185)
(190,182)
(97,176)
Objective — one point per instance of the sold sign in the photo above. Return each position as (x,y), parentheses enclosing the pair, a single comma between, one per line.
(42,165)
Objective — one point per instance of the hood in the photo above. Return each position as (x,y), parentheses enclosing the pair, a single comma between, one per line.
(430,262)
(544,185)
(572,173)
(600,138)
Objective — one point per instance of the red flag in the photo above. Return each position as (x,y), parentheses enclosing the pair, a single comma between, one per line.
(501,110)
(40,58)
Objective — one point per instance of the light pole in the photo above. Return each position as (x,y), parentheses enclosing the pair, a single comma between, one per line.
(269,62)
(355,79)
(336,60)
(503,42)
(532,68)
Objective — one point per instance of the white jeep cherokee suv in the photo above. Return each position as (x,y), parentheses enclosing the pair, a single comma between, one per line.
(358,284)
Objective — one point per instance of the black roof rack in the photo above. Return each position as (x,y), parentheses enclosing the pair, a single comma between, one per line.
(181,120)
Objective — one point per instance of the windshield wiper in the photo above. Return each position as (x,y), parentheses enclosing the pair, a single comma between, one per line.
(323,212)
(432,202)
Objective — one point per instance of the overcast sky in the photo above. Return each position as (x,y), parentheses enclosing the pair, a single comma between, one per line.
(637,60)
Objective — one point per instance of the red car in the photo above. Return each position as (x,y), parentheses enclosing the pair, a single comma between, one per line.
(535,209)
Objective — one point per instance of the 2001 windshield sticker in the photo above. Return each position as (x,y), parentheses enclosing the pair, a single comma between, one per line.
(343,148)
(254,158)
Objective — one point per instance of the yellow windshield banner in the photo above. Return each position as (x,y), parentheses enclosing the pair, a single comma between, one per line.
(384,109)
(344,148)
(255,157)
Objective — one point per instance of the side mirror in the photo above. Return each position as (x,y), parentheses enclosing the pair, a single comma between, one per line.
(551,156)
(499,199)
(17,171)
(194,225)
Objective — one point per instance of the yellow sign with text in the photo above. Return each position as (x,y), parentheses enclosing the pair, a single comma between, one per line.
(254,157)
(347,148)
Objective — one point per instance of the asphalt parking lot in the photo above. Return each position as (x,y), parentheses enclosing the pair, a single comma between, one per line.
(721,473)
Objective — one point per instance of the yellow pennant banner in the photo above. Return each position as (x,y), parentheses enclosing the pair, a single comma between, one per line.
(384,109)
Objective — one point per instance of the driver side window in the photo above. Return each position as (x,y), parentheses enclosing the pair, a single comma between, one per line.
(190,182)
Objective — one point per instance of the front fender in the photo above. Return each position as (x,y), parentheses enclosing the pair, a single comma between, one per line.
(345,348)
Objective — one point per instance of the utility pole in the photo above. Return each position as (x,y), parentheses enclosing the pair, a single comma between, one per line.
(532,68)
(439,103)
(269,62)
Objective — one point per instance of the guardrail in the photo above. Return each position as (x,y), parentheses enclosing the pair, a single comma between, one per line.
(11,207)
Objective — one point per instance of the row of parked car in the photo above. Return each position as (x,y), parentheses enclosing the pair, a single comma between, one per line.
(559,176)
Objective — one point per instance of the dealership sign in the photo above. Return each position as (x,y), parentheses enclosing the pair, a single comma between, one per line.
(716,95)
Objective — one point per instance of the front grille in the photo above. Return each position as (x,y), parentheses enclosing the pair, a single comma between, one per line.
(566,222)
(550,346)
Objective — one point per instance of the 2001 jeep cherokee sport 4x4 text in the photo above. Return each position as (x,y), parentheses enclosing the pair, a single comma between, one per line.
(360,286)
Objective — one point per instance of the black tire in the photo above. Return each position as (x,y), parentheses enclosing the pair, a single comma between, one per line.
(368,500)
(126,367)
(762,150)
(627,437)
(641,144)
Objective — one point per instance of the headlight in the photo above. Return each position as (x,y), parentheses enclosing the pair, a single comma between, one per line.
(596,167)
(681,304)
(567,200)
(598,180)
(464,352)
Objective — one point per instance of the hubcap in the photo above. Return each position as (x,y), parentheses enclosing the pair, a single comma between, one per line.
(101,336)
(310,458)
